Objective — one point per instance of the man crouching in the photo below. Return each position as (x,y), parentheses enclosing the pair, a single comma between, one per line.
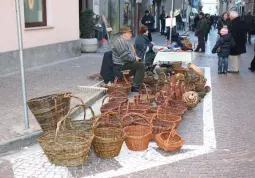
(123,59)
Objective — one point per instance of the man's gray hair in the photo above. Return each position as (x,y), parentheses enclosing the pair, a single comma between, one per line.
(233,14)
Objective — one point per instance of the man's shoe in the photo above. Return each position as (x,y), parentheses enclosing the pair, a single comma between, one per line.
(135,89)
(196,51)
(252,70)
(230,71)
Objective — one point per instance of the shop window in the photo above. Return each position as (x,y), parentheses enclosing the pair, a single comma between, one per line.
(35,13)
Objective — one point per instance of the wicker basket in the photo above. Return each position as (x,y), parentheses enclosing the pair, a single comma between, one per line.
(110,106)
(65,147)
(171,110)
(108,141)
(168,117)
(160,70)
(191,98)
(120,87)
(48,110)
(81,125)
(138,136)
(169,141)
(159,126)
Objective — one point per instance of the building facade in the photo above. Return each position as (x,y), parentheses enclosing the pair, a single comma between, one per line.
(50,32)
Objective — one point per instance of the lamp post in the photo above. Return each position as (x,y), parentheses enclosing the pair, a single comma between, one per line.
(22,63)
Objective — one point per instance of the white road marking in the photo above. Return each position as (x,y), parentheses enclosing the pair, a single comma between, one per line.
(137,161)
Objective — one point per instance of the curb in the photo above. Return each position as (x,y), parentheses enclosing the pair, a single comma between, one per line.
(31,139)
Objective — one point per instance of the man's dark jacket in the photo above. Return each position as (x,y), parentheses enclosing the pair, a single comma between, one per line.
(148,18)
(201,27)
(238,32)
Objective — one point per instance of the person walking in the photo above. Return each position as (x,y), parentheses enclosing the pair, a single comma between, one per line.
(208,26)
(148,20)
(222,48)
(224,21)
(123,59)
(249,22)
(252,66)
(162,18)
(200,32)
(237,31)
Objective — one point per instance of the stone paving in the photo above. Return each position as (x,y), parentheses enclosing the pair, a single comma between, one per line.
(230,107)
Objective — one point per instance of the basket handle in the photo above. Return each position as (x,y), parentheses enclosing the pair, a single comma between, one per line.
(125,79)
(140,115)
(172,132)
(104,99)
(95,123)
(65,117)
(147,93)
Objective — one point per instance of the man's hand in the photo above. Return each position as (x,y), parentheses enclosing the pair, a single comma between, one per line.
(138,59)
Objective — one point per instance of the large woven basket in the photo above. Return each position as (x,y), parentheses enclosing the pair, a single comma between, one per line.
(80,125)
(65,147)
(48,110)
(169,141)
(110,106)
(159,126)
(138,136)
(108,141)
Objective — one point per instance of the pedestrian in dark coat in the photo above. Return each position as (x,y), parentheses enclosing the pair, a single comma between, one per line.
(200,32)
(196,20)
(148,20)
(252,67)
(224,21)
(237,31)
(222,48)
(143,46)
(249,22)
(162,18)
(208,26)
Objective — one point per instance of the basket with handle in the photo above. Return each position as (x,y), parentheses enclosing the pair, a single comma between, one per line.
(108,141)
(147,97)
(125,109)
(48,110)
(110,106)
(124,87)
(138,136)
(168,117)
(81,125)
(159,126)
(118,96)
(65,147)
(169,141)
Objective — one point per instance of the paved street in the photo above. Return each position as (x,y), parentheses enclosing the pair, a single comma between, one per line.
(218,133)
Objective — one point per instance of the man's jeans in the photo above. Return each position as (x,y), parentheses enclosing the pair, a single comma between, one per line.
(222,64)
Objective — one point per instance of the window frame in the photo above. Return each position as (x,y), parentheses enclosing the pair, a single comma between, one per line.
(39,24)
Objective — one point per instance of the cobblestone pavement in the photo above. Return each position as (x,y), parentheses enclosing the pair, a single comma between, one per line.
(218,134)
(59,77)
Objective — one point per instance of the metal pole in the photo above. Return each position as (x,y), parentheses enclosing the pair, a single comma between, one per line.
(21,64)
(172,16)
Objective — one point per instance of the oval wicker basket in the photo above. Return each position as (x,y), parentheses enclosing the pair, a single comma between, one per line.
(169,141)
(108,141)
(138,136)
(66,147)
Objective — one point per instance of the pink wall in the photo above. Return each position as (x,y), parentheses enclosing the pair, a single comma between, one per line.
(63,16)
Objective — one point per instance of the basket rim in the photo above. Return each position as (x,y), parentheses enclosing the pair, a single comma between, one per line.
(47,97)
(149,131)
(110,128)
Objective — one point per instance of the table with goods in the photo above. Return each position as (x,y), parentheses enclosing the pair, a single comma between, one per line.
(153,115)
